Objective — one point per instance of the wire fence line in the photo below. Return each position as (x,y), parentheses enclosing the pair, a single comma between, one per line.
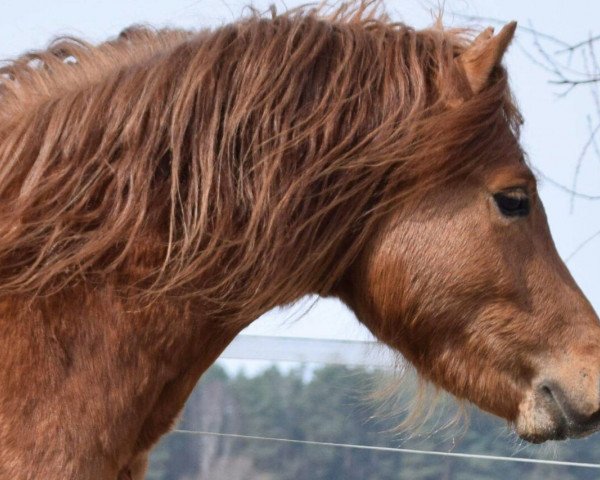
(467,456)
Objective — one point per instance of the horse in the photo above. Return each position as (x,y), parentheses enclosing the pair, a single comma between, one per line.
(162,190)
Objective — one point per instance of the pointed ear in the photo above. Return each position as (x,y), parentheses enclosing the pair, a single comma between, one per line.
(486,51)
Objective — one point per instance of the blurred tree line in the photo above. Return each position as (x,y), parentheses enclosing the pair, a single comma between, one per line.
(330,404)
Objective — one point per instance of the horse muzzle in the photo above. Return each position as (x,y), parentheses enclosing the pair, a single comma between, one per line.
(555,411)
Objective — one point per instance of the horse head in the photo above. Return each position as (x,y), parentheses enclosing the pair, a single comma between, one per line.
(467,284)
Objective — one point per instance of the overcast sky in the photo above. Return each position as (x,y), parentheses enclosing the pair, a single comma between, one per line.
(556,129)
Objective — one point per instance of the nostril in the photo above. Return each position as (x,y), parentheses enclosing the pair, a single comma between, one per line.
(554,399)
(548,394)
(545,389)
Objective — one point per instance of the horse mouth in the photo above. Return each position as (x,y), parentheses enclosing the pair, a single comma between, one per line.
(541,436)
(561,431)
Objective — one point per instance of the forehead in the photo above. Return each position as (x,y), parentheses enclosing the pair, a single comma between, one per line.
(514,173)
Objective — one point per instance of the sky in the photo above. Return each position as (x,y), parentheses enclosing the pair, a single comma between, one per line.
(555,133)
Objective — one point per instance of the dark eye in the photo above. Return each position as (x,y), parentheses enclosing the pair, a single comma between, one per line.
(513,203)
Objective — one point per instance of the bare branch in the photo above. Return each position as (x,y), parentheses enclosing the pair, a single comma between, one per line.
(497,21)
(579,163)
(593,136)
(573,81)
(584,43)
(564,74)
(564,188)
(582,245)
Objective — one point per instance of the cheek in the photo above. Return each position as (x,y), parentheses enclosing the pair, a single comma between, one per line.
(431,278)
(441,290)
(434,263)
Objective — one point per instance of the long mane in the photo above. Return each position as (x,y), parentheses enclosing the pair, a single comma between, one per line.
(229,164)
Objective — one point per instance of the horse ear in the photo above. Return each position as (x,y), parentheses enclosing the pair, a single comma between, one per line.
(486,51)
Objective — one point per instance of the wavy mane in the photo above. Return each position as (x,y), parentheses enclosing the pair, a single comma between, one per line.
(233,165)
(70,64)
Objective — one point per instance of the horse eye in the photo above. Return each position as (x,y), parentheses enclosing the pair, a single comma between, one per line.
(513,203)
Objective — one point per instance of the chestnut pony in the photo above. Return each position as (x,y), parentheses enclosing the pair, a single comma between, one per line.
(162,190)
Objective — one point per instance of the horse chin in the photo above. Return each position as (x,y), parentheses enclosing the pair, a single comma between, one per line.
(539,423)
